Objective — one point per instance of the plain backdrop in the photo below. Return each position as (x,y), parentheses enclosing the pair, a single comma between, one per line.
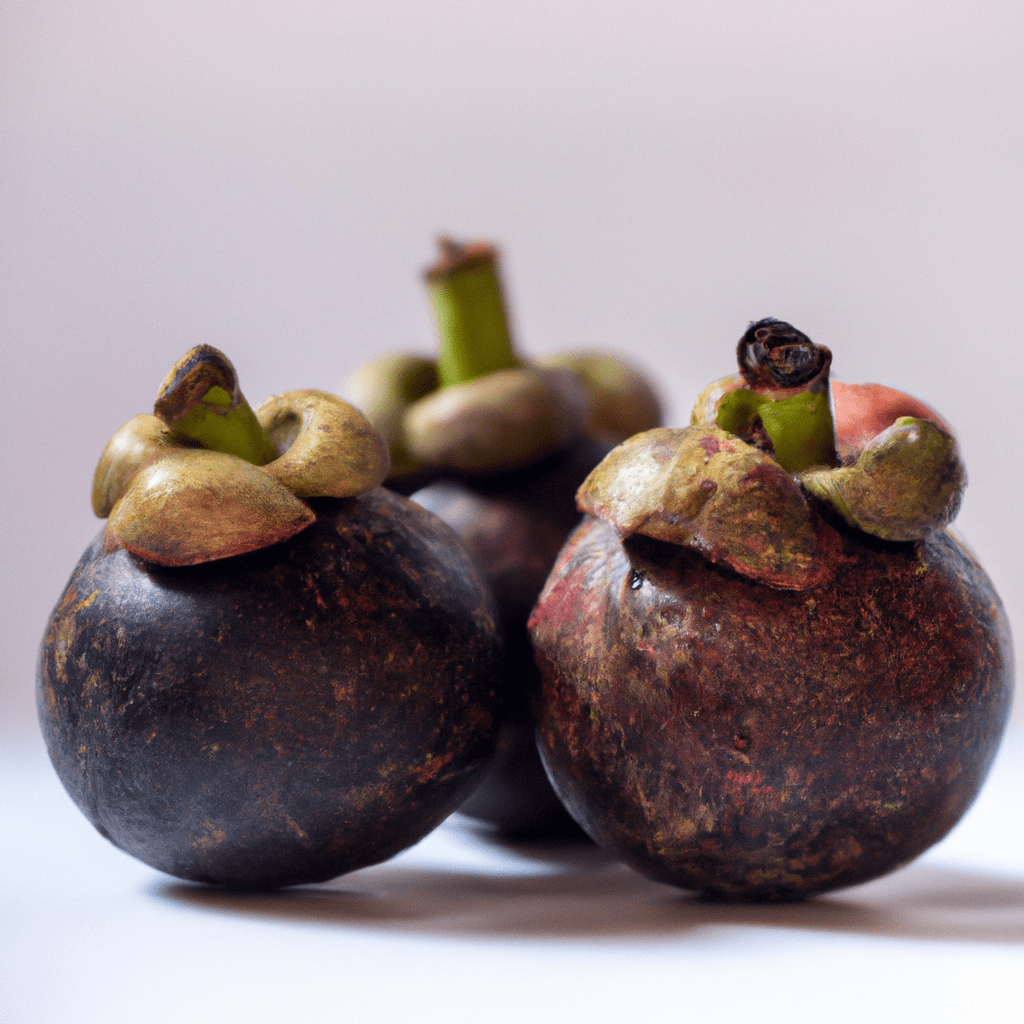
(269,176)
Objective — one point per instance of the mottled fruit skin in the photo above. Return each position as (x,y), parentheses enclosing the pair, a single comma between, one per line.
(280,717)
(514,524)
(762,744)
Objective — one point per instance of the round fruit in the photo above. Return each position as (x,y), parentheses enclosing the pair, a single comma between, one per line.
(762,686)
(282,715)
(514,524)
(497,447)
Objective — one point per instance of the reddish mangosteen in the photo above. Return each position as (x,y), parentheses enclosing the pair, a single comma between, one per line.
(497,447)
(769,670)
(267,670)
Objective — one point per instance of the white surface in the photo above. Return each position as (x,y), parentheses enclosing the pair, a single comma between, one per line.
(460,930)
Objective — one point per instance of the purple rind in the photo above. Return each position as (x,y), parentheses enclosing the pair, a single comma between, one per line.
(280,717)
(753,743)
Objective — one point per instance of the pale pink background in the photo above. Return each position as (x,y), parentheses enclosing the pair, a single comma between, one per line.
(269,177)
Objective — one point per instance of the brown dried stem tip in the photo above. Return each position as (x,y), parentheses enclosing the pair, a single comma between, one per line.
(773,354)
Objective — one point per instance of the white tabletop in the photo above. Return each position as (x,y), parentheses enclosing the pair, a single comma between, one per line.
(462,929)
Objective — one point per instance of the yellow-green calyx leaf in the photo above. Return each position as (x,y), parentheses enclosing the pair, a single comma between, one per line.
(907,483)
(620,399)
(383,389)
(200,401)
(141,441)
(704,488)
(503,420)
(705,408)
(195,506)
(329,448)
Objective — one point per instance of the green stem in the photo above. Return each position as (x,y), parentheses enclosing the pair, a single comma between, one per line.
(799,426)
(201,402)
(788,399)
(472,323)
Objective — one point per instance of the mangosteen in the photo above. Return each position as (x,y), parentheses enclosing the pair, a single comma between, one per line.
(266,670)
(769,669)
(497,447)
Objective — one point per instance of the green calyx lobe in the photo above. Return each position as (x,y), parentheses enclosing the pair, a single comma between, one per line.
(906,484)
(705,489)
(201,403)
(469,306)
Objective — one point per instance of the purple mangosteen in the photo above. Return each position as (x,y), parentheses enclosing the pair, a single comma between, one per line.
(267,669)
(497,446)
(768,668)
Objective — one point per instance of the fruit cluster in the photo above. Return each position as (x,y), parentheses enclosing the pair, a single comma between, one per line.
(759,666)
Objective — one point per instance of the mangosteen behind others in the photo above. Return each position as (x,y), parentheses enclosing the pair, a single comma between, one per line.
(769,670)
(497,447)
(267,670)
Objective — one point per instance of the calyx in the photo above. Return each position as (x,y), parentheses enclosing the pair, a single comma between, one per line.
(479,407)
(767,449)
(206,477)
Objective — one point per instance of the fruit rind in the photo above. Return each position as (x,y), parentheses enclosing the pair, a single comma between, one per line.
(271,720)
(762,744)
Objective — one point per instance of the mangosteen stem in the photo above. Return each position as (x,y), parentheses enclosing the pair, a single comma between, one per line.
(472,322)
(200,401)
(787,406)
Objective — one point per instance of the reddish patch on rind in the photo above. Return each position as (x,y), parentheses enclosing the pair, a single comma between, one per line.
(863,411)
(712,445)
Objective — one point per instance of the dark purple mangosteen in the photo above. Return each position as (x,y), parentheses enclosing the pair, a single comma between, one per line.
(267,670)
(497,448)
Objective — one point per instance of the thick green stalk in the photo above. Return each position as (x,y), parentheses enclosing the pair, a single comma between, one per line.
(469,307)
(800,426)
